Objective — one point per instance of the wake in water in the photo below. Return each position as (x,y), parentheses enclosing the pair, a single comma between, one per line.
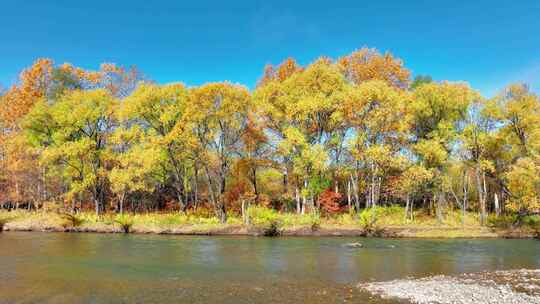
(512,287)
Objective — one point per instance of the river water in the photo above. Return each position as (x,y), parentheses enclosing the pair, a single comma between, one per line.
(113,268)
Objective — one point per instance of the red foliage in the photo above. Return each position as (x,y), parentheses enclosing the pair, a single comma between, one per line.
(329,201)
(234,193)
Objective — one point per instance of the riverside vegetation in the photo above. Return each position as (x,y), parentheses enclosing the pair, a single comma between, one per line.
(381,221)
(351,143)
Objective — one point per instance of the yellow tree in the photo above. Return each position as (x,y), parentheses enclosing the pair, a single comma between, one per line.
(283,71)
(19,163)
(43,81)
(377,115)
(135,163)
(515,116)
(158,112)
(217,117)
(412,182)
(72,135)
(438,113)
(368,64)
(300,114)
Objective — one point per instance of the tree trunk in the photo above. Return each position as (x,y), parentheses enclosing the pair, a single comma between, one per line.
(217,198)
(304,198)
(121,203)
(349,195)
(412,210)
(254,182)
(439,207)
(222,212)
(196,188)
(286,180)
(465,198)
(372,188)
(354,182)
(297,198)
(181,201)
(221,203)
(245,215)
(497,206)
(407,206)
(97,207)
(484,205)
(481,195)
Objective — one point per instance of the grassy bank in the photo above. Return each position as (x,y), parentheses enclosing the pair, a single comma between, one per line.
(385,222)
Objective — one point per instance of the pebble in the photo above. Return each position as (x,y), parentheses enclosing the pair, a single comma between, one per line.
(478,288)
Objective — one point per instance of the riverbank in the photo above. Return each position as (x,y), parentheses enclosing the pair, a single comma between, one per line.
(389,225)
(514,286)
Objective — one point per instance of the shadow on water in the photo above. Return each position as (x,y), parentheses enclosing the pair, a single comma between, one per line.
(98,268)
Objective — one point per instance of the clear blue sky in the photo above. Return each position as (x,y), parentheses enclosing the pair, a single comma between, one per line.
(487,43)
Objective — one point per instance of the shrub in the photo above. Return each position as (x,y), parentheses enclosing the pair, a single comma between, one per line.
(532,221)
(368,217)
(70,220)
(329,201)
(315,222)
(262,215)
(272,230)
(502,221)
(125,222)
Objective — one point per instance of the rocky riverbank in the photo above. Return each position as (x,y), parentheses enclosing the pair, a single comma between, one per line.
(509,287)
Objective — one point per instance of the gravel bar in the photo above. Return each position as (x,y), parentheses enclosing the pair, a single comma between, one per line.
(501,287)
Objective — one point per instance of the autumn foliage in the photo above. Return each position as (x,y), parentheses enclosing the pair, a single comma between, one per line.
(348,133)
(329,201)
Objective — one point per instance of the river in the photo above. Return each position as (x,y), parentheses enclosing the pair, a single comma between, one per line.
(114,268)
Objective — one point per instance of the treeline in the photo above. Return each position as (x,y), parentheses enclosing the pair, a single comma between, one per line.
(351,133)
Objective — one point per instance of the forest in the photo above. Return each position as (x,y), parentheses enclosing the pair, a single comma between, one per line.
(333,136)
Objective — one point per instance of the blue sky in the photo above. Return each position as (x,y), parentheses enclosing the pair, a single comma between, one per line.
(487,43)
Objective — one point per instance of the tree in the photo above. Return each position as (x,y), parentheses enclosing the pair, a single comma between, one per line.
(73,134)
(279,74)
(43,81)
(516,112)
(412,182)
(476,139)
(157,112)
(376,113)
(22,173)
(300,113)
(524,184)
(515,119)
(368,64)
(217,117)
(438,110)
(255,153)
(420,80)
(135,162)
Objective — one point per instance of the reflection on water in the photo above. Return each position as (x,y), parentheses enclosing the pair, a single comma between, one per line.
(99,268)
